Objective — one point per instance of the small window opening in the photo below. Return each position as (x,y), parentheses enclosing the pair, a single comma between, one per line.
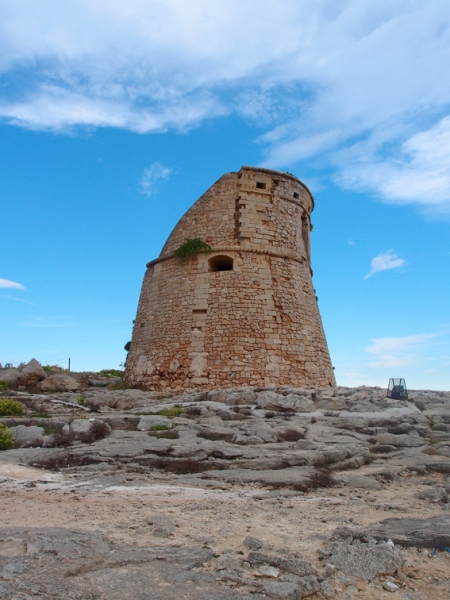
(296,195)
(260,185)
(220,263)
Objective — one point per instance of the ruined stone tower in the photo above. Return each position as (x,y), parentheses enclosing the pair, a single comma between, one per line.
(244,314)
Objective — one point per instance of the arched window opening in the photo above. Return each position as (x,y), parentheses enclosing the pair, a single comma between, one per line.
(220,263)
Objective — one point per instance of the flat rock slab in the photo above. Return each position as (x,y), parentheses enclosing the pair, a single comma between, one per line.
(279,477)
(58,564)
(365,561)
(421,533)
(354,480)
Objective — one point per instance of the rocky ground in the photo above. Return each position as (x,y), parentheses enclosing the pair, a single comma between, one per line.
(242,493)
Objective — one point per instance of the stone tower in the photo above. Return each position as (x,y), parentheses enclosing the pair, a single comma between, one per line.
(244,314)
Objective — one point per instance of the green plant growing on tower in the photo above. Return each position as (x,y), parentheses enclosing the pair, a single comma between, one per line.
(191,248)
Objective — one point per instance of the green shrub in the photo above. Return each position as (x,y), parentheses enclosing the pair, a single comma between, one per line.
(111,372)
(6,385)
(6,438)
(190,248)
(159,427)
(10,407)
(50,368)
(175,411)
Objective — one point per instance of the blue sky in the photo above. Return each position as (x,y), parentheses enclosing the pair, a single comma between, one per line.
(115,117)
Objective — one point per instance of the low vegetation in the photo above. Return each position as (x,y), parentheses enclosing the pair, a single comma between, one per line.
(175,411)
(50,368)
(9,407)
(55,461)
(6,438)
(191,248)
(111,373)
(291,435)
(319,478)
(183,466)
(215,436)
(6,385)
(193,411)
(98,431)
(40,414)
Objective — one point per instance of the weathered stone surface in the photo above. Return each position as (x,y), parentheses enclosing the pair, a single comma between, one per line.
(61,563)
(253,542)
(437,494)
(280,590)
(31,374)
(354,480)
(400,440)
(240,398)
(365,561)
(278,402)
(27,437)
(296,566)
(270,400)
(421,533)
(148,422)
(59,383)
(87,430)
(326,589)
(196,484)
(80,427)
(161,526)
(9,375)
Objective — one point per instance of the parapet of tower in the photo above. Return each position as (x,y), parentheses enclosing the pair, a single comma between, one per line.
(245,313)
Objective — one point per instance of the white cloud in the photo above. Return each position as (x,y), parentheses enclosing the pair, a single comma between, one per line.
(341,79)
(151,176)
(392,352)
(419,173)
(5,283)
(384,262)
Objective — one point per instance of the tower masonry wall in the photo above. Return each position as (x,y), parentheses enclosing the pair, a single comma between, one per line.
(254,323)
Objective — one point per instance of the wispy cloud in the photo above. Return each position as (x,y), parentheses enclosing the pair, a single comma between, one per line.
(16,299)
(384,262)
(151,177)
(394,352)
(5,283)
(48,322)
(304,71)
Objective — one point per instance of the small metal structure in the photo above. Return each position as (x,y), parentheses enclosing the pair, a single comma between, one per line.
(397,389)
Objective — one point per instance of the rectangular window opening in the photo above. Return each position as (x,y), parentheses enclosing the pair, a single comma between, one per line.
(199,311)
(260,185)
(296,195)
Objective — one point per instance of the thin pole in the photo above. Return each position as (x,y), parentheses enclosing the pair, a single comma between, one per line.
(69,365)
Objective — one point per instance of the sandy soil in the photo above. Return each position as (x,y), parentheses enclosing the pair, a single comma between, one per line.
(222,518)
